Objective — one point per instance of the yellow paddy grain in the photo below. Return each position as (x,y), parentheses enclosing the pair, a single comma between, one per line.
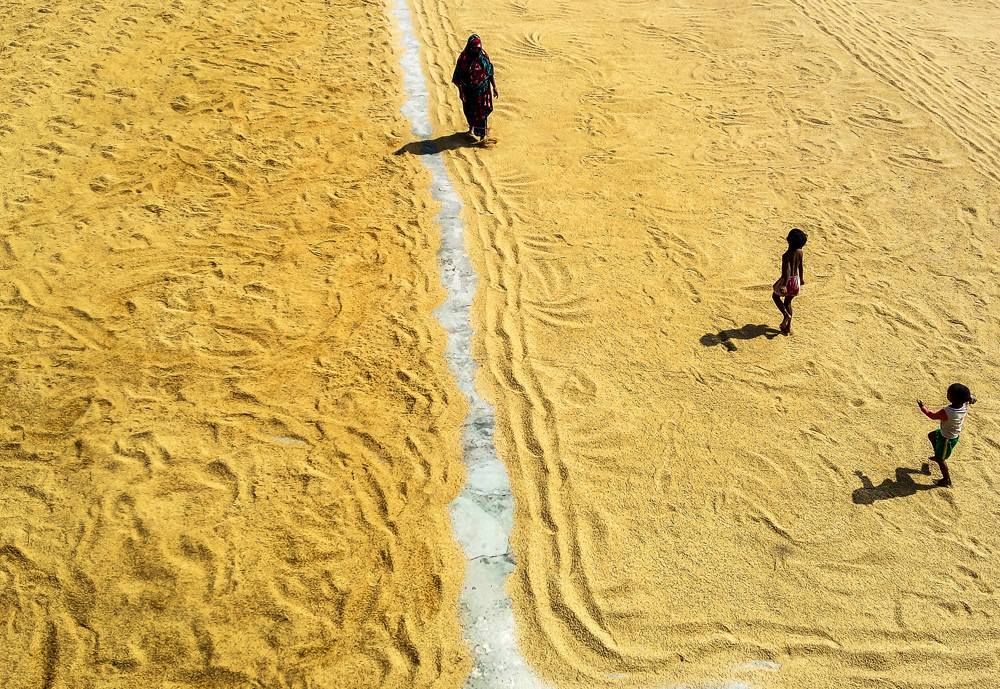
(694,493)
(227,434)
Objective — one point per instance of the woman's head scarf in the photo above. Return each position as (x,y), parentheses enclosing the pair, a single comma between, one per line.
(474,68)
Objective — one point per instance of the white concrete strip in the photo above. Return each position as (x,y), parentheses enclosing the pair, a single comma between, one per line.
(483,513)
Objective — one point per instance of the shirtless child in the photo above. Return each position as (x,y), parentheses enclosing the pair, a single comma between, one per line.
(787,286)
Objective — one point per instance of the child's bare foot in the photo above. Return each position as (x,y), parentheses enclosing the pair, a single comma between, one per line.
(941,483)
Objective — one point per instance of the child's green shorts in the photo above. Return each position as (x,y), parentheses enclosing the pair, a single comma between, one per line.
(943,446)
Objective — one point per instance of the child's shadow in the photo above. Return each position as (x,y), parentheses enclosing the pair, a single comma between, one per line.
(747,332)
(900,488)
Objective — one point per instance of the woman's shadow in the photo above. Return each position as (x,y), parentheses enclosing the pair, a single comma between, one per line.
(902,487)
(747,332)
(429,147)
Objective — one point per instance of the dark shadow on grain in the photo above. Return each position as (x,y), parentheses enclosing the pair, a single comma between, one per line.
(902,487)
(747,332)
(429,147)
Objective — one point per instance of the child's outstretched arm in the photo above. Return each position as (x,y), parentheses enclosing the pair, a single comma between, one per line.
(940,415)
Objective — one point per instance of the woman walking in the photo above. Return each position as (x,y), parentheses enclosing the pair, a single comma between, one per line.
(474,78)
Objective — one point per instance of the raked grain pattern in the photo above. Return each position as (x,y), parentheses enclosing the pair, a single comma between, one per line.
(694,493)
(228,436)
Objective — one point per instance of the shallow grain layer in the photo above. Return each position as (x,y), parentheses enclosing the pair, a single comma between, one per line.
(227,434)
(696,494)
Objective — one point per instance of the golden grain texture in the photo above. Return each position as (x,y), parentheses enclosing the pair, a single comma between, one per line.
(700,500)
(227,433)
